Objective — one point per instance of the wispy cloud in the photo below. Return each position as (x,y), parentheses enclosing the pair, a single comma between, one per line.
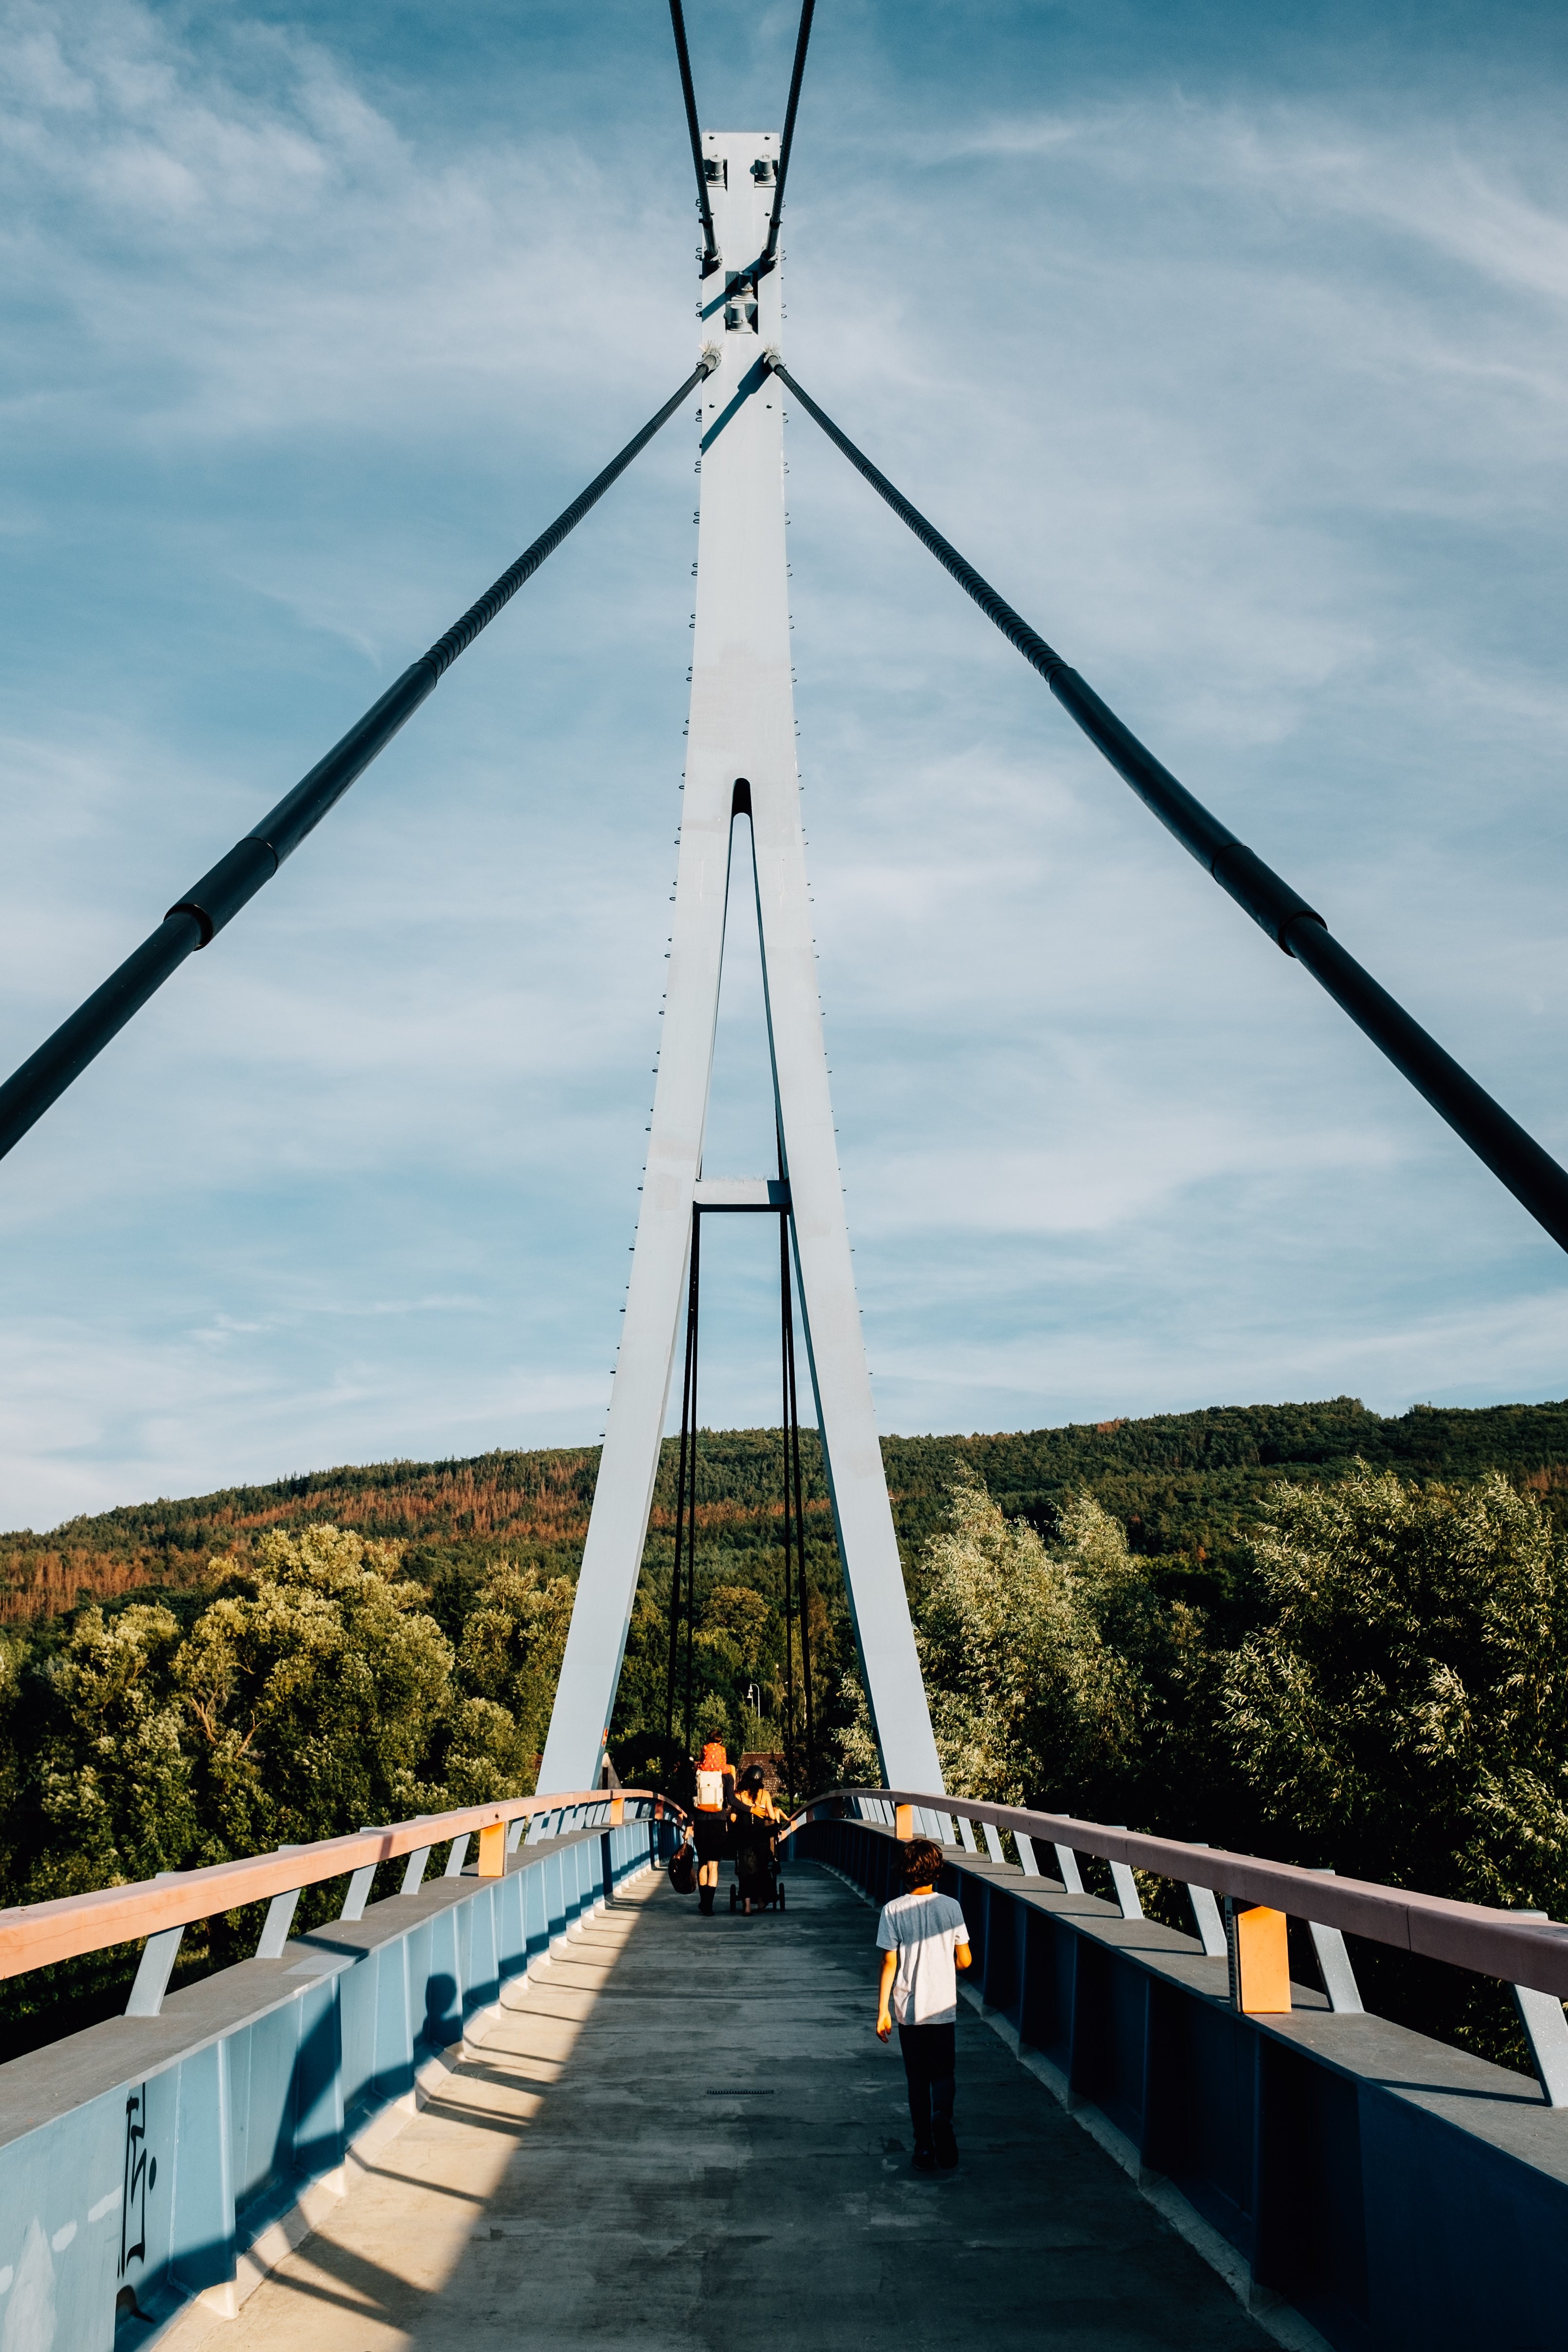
(1248,393)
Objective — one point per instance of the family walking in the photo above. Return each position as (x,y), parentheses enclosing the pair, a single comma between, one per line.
(735,1819)
(921,1935)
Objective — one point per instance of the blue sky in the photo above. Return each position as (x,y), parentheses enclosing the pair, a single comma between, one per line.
(1229,342)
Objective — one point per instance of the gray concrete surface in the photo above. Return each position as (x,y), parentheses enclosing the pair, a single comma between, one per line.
(686,2135)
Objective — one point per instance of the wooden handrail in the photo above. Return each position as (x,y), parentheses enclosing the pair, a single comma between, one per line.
(32,1935)
(1494,1943)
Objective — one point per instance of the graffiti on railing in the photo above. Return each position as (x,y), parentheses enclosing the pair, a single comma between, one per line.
(141,2175)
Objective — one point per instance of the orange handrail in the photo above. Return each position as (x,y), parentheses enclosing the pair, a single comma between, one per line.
(32,1935)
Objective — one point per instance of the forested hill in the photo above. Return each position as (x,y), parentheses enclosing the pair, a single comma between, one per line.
(1184,1484)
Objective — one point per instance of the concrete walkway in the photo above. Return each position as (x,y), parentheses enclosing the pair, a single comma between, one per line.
(686,2135)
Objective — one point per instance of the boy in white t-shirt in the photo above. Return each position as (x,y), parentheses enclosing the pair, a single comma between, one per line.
(924,1938)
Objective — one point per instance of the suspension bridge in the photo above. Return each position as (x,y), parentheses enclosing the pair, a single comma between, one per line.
(525,2096)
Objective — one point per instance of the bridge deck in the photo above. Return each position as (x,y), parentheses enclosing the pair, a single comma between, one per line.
(686,2135)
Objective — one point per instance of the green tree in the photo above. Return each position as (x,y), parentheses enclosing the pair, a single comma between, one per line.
(713,1719)
(113,1784)
(315,1688)
(745,1624)
(511,1651)
(1402,1712)
(1030,1699)
(486,1754)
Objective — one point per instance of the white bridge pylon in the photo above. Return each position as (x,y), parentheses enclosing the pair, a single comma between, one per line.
(740,760)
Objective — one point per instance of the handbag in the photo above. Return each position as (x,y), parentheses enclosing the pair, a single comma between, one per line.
(683,1871)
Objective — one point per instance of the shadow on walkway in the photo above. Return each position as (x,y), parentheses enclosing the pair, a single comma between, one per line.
(686,2136)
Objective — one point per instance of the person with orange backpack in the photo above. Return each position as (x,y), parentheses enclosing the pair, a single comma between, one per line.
(715,1799)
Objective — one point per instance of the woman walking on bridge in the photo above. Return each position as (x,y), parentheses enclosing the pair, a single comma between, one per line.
(755,1829)
(716,1796)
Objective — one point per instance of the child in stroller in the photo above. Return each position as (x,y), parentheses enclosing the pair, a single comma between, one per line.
(755,1839)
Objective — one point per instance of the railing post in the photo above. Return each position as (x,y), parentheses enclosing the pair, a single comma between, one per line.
(904,1821)
(1339,1975)
(156,1965)
(993,1844)
(201,2254)
(458,1857)
(279,1918)
(1026,1863)
(418,1862)
(1546,2030)
(1067,1862)
(965,1833)
(1127,1896)
(361,1882)
(1205,1911)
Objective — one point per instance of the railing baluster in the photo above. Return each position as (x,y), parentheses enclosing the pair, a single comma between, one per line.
(1205,1911)
(156,1965)
(417,1865)
(1546,2030)
(361,1882)
(1339,1975)
(1067,1862)
(1126,1887)
(279,1918)
(158,1956)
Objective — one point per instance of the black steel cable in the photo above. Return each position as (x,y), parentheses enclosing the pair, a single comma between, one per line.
(790,1757)
(1514,1157)
(807,9)
(802,1590)
(692,1535)
(680,1513)
(217,897)
(683,59)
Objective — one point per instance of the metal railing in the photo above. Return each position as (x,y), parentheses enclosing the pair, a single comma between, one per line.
(1517,1949)
(180,2150)
(1526,1951)
(1396,2189)
(37,1935)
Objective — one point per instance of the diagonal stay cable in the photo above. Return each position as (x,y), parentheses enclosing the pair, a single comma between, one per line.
(1531,1174)
(220,894)
(807,9)
(683,59)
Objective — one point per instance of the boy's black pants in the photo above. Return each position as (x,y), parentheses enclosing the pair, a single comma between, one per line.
(929,2057)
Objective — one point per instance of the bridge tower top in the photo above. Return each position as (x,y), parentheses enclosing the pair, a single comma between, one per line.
(740,763)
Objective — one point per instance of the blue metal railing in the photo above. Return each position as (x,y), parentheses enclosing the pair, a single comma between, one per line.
(143,2162)
(1398,2193)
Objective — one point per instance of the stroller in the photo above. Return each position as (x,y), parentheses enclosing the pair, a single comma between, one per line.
(755,1844)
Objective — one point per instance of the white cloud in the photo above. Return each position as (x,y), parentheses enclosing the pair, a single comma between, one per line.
(1253,403)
